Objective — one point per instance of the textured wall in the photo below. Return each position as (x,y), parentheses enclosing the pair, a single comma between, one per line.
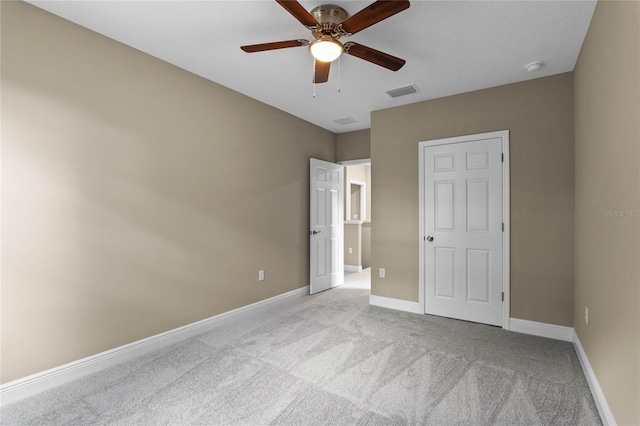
(366,245)
(124,212)
(539,115)
(353,145)
(607,259)
(353,240)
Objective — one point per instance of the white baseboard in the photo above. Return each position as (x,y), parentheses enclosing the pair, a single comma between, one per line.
(36,383)
(352,268)
(598,396)
(397,304)
(541,329)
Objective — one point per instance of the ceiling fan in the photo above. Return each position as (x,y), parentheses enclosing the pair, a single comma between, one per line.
(328,23)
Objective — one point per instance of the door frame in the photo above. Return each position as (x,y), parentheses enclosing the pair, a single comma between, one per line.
(506,218)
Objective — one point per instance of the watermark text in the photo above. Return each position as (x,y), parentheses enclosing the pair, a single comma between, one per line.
(621,213)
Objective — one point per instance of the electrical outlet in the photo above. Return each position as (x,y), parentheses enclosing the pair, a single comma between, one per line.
(350,250)
(355,216)
(261,275)
(382,272)
(586,315)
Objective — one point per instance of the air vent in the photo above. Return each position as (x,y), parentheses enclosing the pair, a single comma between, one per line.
(401,91)
(345,120)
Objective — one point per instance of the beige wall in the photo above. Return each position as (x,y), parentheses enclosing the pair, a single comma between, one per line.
(366,226)
(353,240)
(539,115)
(366,245)
(353,145)
(124,214)
(607,130)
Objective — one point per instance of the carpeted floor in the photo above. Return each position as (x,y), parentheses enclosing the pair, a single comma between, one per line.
(332,359)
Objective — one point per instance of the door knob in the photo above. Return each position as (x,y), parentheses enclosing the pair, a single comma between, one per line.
(315,232)
(429,238)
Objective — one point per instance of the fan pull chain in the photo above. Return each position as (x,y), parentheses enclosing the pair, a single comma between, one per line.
(339,72)
(314,78)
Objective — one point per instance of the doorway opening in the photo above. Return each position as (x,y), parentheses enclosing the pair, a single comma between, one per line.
(357,223)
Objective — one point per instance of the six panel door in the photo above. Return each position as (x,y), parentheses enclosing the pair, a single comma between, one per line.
(463,229)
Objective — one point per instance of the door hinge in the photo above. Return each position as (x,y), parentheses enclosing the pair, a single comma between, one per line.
(502,226)
(503,157)
(503,296)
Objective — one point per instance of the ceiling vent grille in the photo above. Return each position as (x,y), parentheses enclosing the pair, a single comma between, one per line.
(402,91)
(345,120)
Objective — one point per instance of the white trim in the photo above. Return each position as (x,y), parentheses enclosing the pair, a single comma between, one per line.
(353,222)
(421,228)
(362,162)
(506,216)
(542,329)
(352,268)
(36,383)
(397,304)
(506,235)
(598,396)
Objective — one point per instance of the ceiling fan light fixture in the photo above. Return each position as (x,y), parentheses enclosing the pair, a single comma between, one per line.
(326,49)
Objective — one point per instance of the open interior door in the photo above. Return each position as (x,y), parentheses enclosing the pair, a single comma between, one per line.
(327,225)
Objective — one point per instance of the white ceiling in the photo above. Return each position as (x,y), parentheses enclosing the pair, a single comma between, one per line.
(450,47)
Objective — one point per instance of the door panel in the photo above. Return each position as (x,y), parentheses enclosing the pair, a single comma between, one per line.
(326,233)
(321,270)
(444,271)
(463,213)
(445,205)
(478,278)
(478,205)
(334,255)
(321,210)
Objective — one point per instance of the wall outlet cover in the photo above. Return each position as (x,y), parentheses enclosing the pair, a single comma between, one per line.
(586,315)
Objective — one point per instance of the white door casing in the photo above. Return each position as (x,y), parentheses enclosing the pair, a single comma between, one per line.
(326,220)
(464,199)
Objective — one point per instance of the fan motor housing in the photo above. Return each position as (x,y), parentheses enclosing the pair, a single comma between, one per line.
(329,14)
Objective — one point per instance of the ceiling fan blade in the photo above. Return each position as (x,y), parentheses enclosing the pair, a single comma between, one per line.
(374,13)
(374,56)
(272,46)
(299,12)
(321,73)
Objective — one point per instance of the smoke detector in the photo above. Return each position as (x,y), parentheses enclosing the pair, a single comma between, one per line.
(534,66)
